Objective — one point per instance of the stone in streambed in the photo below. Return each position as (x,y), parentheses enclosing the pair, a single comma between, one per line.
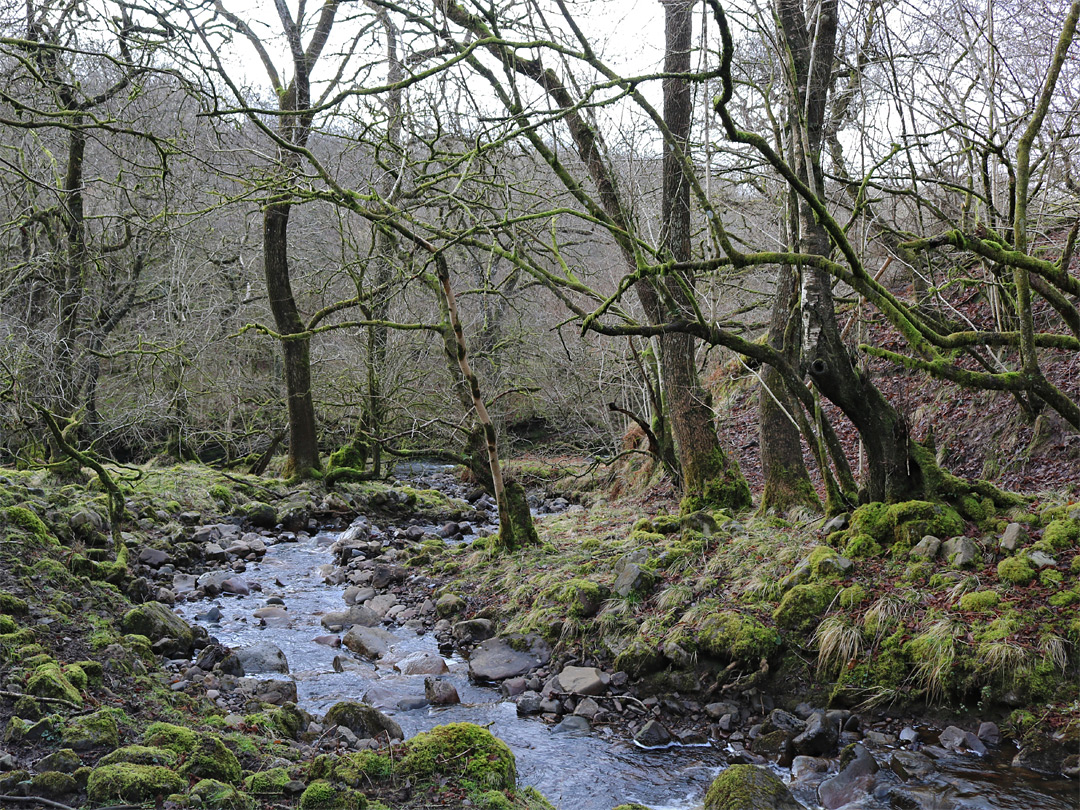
(652,735)
(422,663)
(911,765)
(440,692)
(355,615)
(855,779)
(507,657)
(363,720)
(369,642)
(818,738)
(262,657)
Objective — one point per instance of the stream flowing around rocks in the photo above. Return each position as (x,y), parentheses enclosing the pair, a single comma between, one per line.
(575,771)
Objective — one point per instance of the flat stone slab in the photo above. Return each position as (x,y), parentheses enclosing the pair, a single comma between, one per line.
(507,657)
(583,680)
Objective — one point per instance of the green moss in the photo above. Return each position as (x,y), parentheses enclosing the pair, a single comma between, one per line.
(217,795)
(75,674)
(174,738)
(269,783)
(980,601)
(640,657)
(289,721)
(48,681)
(642,538)
(7,625)
(872,519)
(582,597)
(141,755)
(1016,571)
(740,637)
(852,596)
(1051,578)
(211,759)
(824,563)
(321,795)
(461,750)
(53,785)
(221,493)
(918,573)
(803,607)
(132,783)
(724,488)
(862,545)
(666,524)
(12,605)
(1062,534)
(22,518)
(93,670)
(746,786)
(1065,599)
(493,800)
(1005,625)
(97,730)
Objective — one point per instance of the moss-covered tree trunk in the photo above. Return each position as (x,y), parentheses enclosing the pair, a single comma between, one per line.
(710,477)
(516,527)
(787,483)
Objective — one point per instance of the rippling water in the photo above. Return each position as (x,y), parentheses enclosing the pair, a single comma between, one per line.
(575,772)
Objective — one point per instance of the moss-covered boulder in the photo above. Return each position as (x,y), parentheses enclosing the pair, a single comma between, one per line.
(53,785)
(748,787)
(11,605)
(804,606)
(363,720)
(269,783)
(355,769)
(639,657)
(733,636)
(174,738)
(48,681)
(461,751)
(65,760)
(97,730)
(132,783)
(211,759)
(141,755)
(826,564)
(981,601)
(31,525)
(1061,534)
(156,622)
(216,795)
(905,523)
(1016,571)
(323,795)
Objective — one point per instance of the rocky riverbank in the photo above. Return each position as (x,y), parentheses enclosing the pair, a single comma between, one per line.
(661,633)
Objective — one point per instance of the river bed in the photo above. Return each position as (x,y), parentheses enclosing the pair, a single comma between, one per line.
(594,771)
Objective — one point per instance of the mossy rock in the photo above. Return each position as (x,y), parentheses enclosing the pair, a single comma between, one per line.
(22,518)
(155,621)
(582,597)
(53,785)
(1065,599)
(852,596)
(1061,534)
(289,721)
(48,681)
(76,676)
(905,523)
(12,605)
(641,538)
(177,739)
(733,636)
(141,755)
(826,564)
(862,546)
(804,606)
(872,519)
(980,601)
(358,768)
(1016,571)
(268,783)
(132,783)
(97,730)
(362,720)
(461,751)
(65,760)
(7,625)
(93,670)
(322,795)
(217,795)
(748,787)
(211,759)
(262,515)
(639,658)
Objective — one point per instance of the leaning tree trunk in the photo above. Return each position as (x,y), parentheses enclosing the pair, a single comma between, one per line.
(303,438)
(710,477)
(516,527)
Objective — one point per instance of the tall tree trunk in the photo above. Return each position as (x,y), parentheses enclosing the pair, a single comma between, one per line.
(711,478)
(787,482)
(303,438)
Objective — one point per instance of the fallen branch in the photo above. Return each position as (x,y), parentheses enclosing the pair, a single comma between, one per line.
(61,701)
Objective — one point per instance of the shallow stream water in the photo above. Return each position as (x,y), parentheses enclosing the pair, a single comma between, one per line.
(585,772)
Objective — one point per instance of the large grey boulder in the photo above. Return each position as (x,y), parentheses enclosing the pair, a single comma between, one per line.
(961,552)
(422,662)
(748,787)
(855,779)
(507,657)
(369,642)
(355,615)
(158,623)
(363,720)
(262,657)
(633,578)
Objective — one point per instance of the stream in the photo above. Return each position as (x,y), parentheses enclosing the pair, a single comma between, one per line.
(594,771)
